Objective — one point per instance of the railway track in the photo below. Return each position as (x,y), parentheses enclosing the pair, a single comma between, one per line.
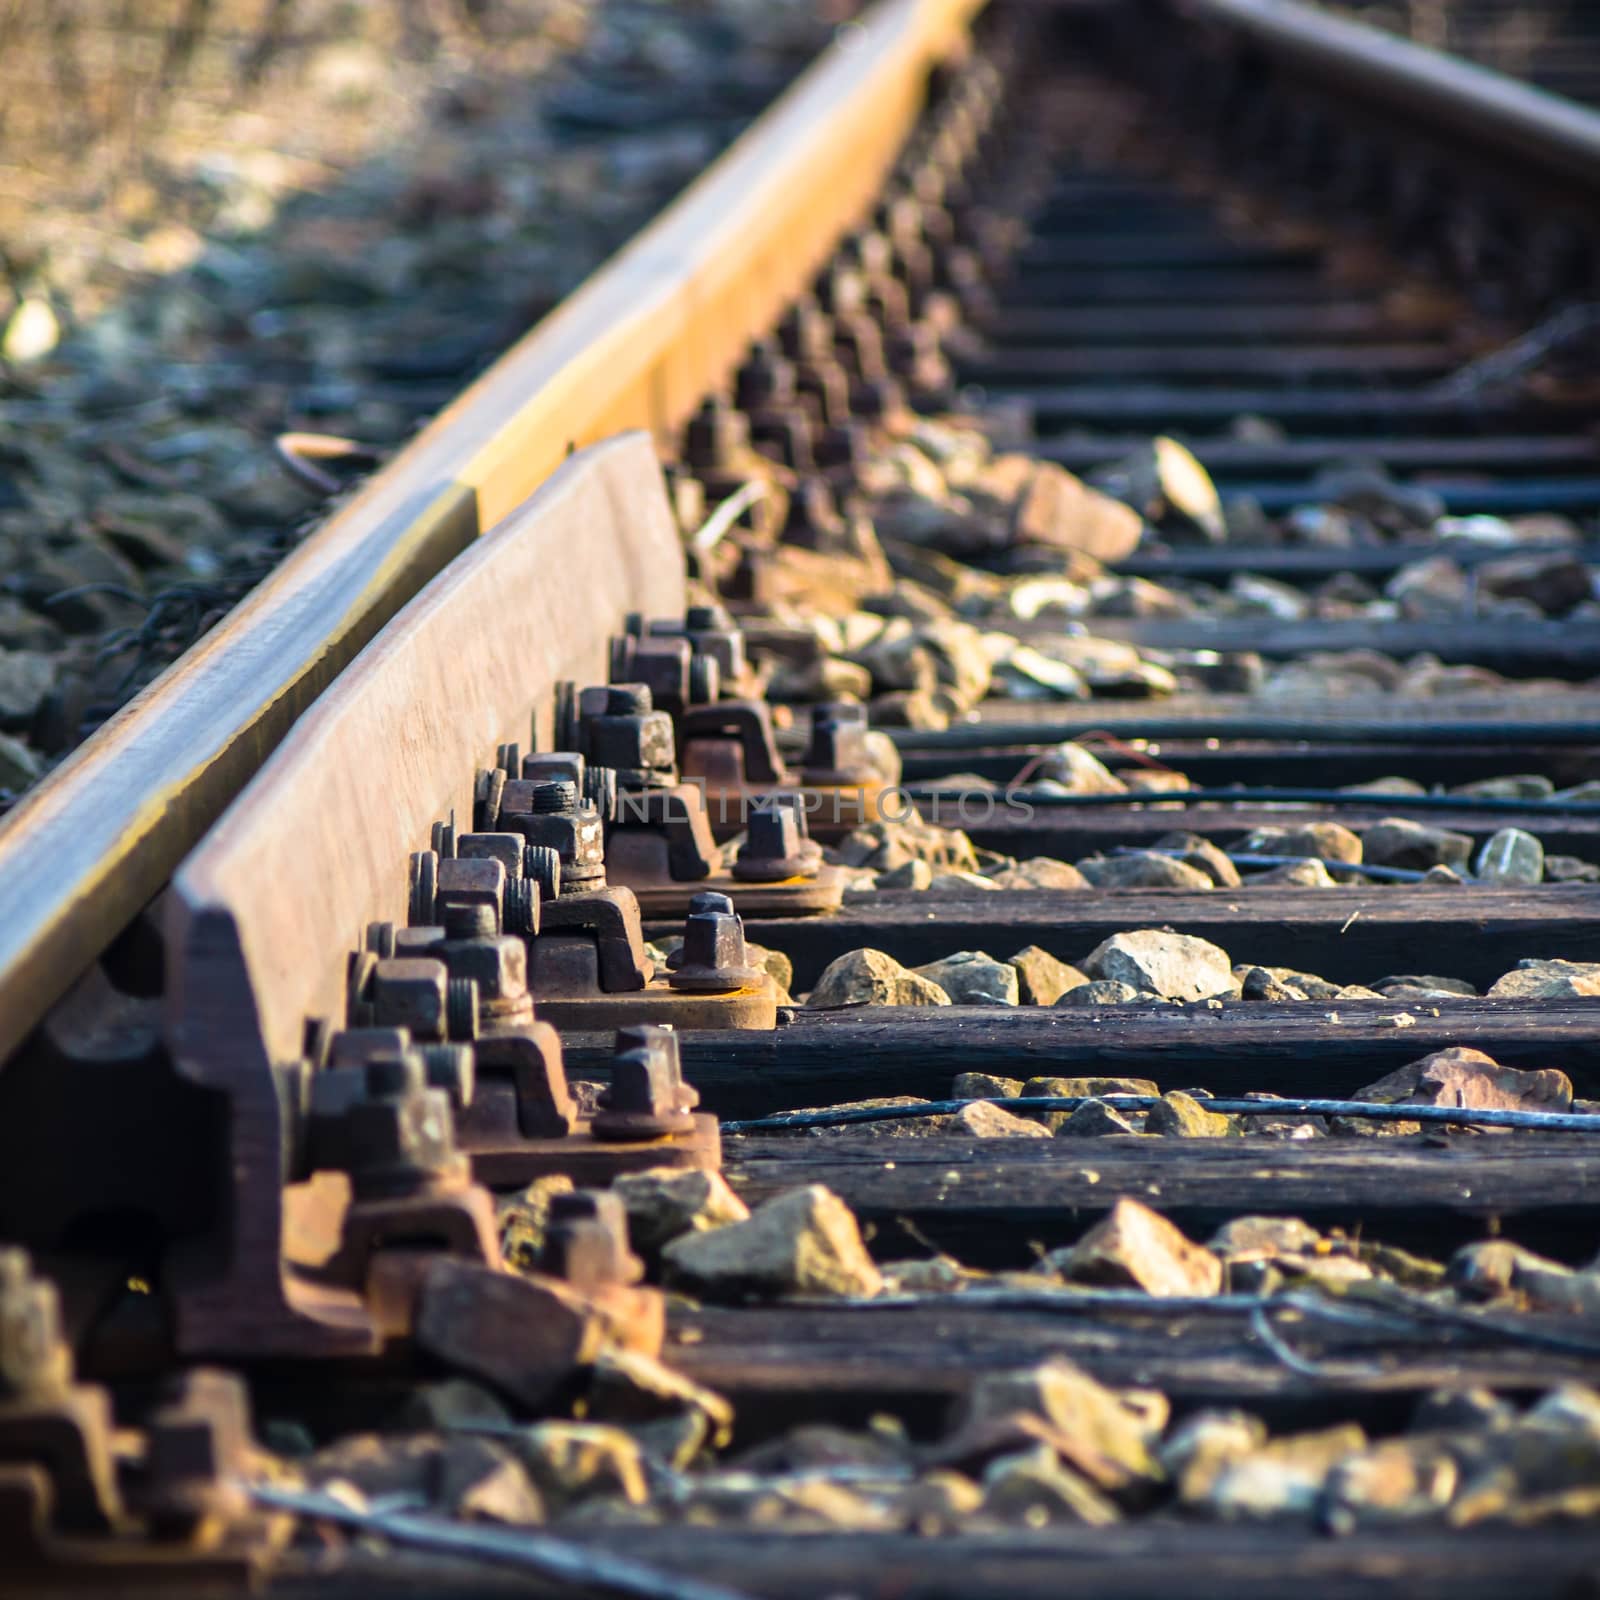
(1551,46)
(1175,425)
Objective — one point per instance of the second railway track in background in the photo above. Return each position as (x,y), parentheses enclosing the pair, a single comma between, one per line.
(1317,317)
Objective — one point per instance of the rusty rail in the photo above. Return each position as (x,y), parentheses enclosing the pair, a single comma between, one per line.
(1474,102)
(260,918)
(637,347)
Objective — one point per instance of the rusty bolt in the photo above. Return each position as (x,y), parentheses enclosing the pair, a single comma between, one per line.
(814,520)
(487,790)
(406,992)
(555,818)
(766,380)
(354,1047)
(494,964)
(461,1009)
(586,1241)
(844,445)
(545,766)
(713,634)
(424,883)
(469,921)
(633,738)
(452,1068)
(359,970)
(712,955)
(400,1137)
(837,748)
(806,333)
(647,1097)
(521,915)
(602,787)
(543,867)
(195,1455)
(555,797)
(716,437)
(776,845)
(479,881)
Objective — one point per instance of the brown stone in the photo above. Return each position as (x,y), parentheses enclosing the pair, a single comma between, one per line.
(804,1241)
(1135,1247)
(1041,978)
(527,1337)
(1465,1077)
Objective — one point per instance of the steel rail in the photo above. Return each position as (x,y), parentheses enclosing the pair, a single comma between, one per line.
(638,346)
(1475,102)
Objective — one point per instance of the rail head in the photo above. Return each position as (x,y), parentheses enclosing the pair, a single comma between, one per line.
(1559,136)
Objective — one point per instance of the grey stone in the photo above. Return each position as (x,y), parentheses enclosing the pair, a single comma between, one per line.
(1434,587)
(908,875)
(665,1202)
(1396,842)
(1178,966)
(918,1127)
(19,766)
(1201,854)
(984,1086)
(962,884)
(1477,1410)
(1285,1477)
(1041,872)
(971,978)
(1071,1088)
(1259,984)
(1328,841)
(1494,1268)
(1308,874)
(1557,869)
(885,845)
(1416,980)
(1257,596)
(1093,1119)
(1195,1452)
(1547,980)
(1180,1115)
(1108,1435)
(1041,978)
(1554,583)
(1079,772)
(871,978)
(1511,856)
(1515,786)
(1135,1247)
(1309,985)
(1143,870)
(803,1241)
(984,1121)
(1259,1238)
(25,679)
(1101,993)
(1036,1488)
